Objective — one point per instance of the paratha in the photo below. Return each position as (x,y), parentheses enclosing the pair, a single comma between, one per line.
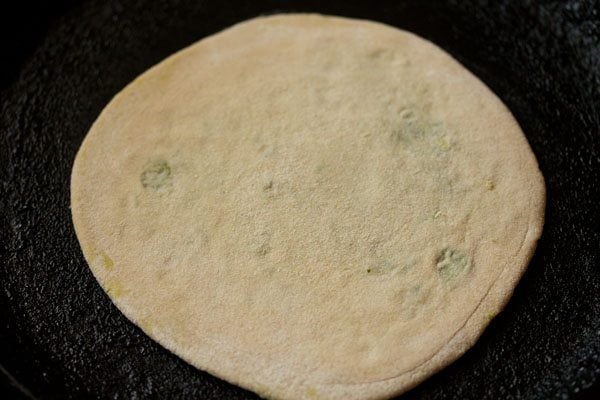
(309,206)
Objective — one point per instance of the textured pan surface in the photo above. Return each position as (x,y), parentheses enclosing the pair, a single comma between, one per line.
(61,337)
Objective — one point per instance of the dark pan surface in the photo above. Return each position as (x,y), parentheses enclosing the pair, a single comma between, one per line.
(61,337)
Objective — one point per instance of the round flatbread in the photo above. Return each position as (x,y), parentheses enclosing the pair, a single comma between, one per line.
(308,206)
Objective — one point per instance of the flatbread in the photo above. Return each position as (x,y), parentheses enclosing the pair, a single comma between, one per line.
(310,207)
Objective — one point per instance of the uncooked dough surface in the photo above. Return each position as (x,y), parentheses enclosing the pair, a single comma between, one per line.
(310,207)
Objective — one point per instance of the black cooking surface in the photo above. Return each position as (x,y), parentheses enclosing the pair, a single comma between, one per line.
(61,337)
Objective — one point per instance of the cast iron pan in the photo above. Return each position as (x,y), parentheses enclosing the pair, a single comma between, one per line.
(61,337)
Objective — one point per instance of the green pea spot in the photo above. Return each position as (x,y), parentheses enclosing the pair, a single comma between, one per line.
(452,264)
(108,262)
(156,175)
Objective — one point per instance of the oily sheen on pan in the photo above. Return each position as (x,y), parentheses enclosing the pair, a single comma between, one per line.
(309,207)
